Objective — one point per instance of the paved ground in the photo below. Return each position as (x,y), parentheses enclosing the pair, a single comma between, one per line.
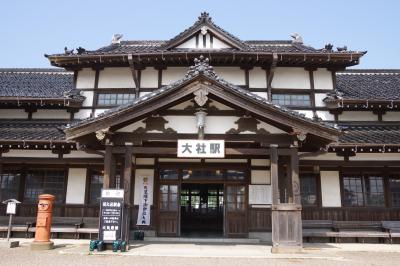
(76,253)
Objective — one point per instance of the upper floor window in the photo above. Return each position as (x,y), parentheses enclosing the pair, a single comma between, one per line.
(291,99)
(110,99)
(394,185)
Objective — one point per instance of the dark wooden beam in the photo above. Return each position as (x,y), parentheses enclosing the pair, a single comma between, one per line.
(274,174)
(135,74)
(107,166)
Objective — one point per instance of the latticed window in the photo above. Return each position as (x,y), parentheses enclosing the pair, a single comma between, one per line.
(363,190)
(9,185)
(291,99)
(45,182)
(308,190)
(394,184)
(96,184)
(110,99)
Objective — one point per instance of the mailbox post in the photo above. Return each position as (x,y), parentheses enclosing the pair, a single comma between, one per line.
(43,223)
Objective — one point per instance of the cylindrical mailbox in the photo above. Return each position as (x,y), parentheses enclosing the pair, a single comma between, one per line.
(43,222)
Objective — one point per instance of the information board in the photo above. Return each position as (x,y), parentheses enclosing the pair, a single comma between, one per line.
(111,211)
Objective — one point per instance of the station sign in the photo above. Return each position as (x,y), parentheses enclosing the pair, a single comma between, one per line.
(196,148)
(111,211)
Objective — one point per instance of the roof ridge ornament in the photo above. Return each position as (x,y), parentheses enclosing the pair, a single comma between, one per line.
(201,66)
(204,16)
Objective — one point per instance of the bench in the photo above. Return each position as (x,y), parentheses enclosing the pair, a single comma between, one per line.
(318,229)
(69,225)
(393,228)
(90,226)
(360,229)
(19,224)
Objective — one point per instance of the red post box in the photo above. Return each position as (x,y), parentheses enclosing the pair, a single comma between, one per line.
(43,223)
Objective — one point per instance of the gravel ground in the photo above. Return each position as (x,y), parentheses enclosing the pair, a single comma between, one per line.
(23,256)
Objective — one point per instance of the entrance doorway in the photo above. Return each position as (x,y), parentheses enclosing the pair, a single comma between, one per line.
(202,210)
(203,201)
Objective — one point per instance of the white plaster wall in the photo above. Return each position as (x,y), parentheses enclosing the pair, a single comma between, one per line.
(358,116)
(319,99)
(140,173)
(261,177)
(51,114)
(182,106)
(81,154)
(330,189)
(291,78)
(325,115)
(260,162)
(307,113)
(149,78)
(220,106)
(13,114)
(218,44)
(132,127)
(30,153)
(233,75)
(85,79)
(172,74)
(76,186)
(82,114)
(116,77)
(325,157)
(375,157)
(145,161)
(257,78)
(190,43)
(323,79)
(89,98)
(214,125)
(391,116)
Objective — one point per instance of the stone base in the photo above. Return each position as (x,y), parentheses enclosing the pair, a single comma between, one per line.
(286,249)
(42,245)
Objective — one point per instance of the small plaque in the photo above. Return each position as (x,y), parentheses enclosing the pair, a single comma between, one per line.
(109,235)
(11,207)
(41,221)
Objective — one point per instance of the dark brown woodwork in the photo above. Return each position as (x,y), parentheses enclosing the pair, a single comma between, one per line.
(108,158)
(236,224)
(127,184)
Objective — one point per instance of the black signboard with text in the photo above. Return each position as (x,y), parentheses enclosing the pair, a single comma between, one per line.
(111,211)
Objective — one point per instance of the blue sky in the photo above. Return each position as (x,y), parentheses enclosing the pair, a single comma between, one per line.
(29,29)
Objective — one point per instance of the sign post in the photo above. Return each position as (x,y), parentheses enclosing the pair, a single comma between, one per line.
(11,210)
(111,214)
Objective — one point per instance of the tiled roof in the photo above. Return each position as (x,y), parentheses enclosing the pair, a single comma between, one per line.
(201,67)
(164,46)
(371,84)
(32,130)
(37,83)
(386,133)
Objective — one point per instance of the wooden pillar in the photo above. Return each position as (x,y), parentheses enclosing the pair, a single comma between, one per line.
(286,217)
(294,166)
(127,177)
(274,175)
(107,166)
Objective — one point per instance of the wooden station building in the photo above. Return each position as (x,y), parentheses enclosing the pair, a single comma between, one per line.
(304,138)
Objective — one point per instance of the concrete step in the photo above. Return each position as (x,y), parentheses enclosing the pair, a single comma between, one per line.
(203,240)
